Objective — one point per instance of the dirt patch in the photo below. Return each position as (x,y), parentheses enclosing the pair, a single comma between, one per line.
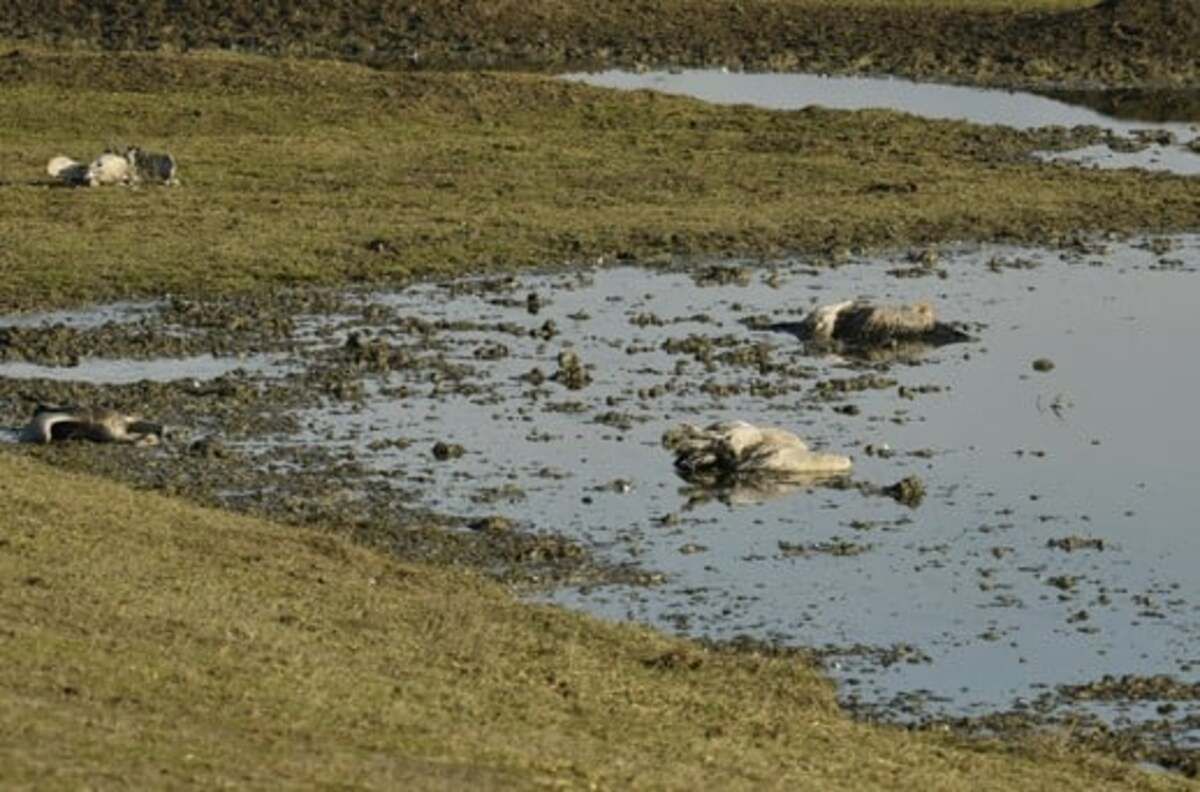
(1119,42)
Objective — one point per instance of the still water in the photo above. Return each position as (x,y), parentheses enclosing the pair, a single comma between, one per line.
(1018,109)
(1056,542)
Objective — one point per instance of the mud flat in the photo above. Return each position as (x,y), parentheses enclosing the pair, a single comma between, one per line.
(1050,547)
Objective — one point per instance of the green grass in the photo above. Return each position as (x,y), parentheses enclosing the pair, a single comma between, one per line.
(291,168)
(147,643)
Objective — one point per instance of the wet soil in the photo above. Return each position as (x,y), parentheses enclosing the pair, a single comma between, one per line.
(215,425)
(513,423)
(255,437)
(1115,43)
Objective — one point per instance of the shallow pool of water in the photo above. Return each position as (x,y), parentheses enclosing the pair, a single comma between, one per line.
(105,371)
(1099,447)
(1055,543)
(1019,109)
(115,313)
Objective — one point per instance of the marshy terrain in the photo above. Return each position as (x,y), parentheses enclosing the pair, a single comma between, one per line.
(417,320)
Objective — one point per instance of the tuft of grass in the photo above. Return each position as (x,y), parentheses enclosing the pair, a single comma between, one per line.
(300,172)
(150,643)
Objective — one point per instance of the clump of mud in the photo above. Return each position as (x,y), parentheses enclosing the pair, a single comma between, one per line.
(571,373)
(909,490)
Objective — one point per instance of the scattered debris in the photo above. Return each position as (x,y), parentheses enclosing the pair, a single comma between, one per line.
(492,524)
(1072,543)
(443,451)
(571,373)
(834,547)
(719,275)
(209,447)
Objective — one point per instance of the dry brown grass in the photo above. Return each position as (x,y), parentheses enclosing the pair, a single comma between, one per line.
(147,643)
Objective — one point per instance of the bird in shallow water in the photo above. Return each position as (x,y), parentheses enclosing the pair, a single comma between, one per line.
(100,425)
(737,449)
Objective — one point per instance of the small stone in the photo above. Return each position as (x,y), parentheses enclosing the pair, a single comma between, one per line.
(209,447)
(491,524)
(909,490)
(444,451)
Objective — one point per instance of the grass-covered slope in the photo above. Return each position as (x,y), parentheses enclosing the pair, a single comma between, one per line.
(324,172)
(147,643)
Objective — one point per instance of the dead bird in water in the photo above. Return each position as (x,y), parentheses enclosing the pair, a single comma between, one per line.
(100,425)
(862,324)
(737,449)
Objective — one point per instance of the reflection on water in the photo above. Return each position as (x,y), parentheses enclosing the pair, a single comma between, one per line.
(1157,106)
(1098,445)
(1125,113)
(104,371)
(993,576)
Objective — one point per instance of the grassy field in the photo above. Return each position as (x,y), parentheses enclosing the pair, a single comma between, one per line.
(151,644)
(321,172)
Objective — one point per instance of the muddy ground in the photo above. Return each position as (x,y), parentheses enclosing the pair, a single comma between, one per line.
(1115,43)
(212,454)
(1122,43)
(303,485)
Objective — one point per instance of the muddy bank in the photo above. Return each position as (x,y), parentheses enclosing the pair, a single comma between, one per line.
(1118,42)
(514,424)
(214,451)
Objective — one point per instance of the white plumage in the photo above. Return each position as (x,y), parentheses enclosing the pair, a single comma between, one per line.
(738,448)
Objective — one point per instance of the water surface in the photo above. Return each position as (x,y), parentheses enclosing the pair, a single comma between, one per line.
(1018,109)
(1099,447)
(116,371)
(967,598)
